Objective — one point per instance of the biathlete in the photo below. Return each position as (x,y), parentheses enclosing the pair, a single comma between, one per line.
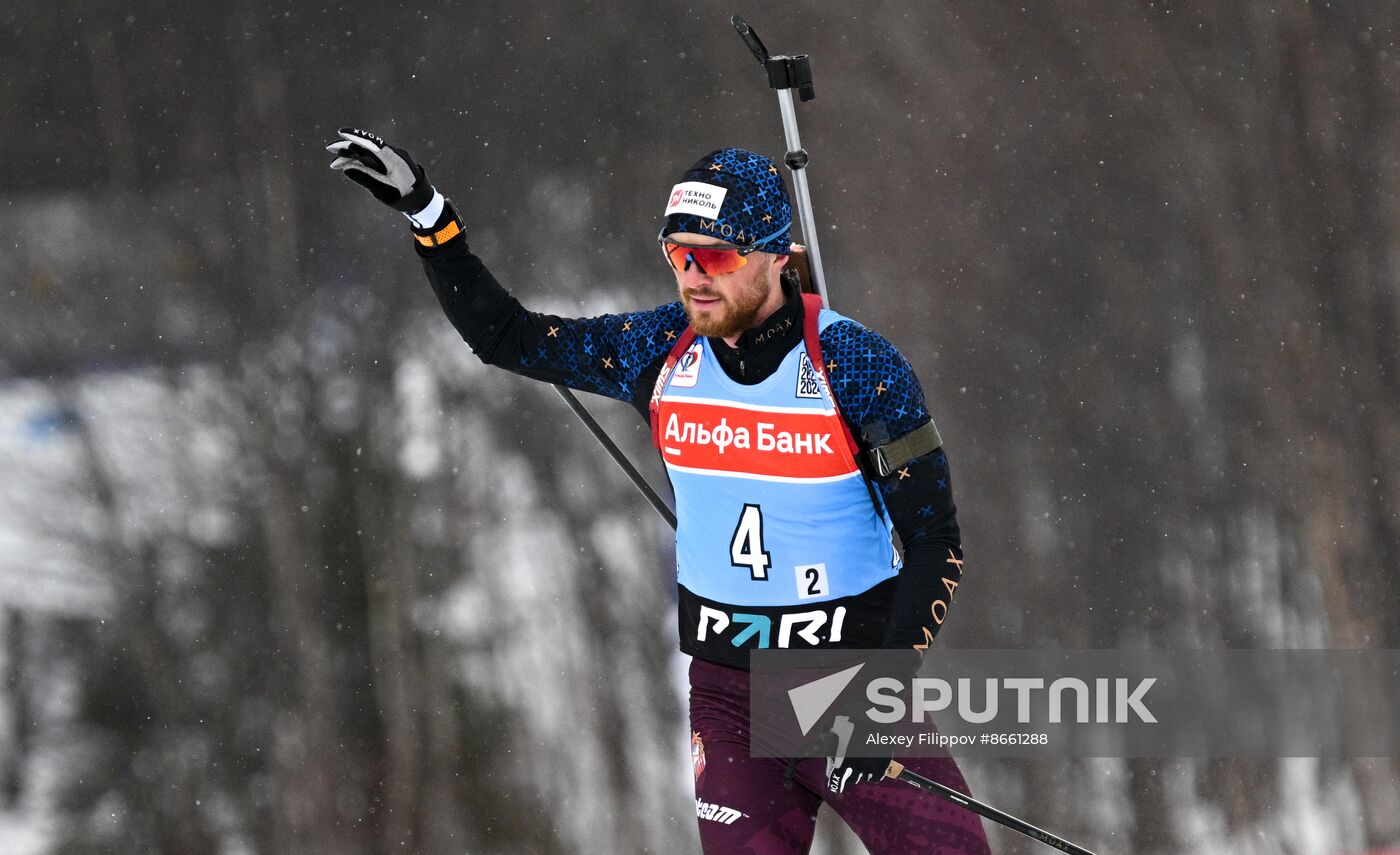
(797,443)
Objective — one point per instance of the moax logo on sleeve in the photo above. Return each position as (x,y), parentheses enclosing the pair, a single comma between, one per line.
(698,198)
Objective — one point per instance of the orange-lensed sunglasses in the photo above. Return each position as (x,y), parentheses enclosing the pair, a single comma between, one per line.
(712,260)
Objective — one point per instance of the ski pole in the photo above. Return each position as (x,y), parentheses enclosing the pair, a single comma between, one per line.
(914,779)
(615,453)
(786,73)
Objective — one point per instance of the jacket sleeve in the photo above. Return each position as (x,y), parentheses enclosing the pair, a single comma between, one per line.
(881,398)
(613,355)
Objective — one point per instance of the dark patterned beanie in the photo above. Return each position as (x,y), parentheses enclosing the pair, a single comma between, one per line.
(735,195)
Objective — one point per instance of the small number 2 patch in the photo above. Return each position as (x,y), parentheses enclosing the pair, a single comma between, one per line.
(811,581)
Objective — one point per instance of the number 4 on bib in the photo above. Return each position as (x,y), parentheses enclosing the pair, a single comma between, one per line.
(746,547)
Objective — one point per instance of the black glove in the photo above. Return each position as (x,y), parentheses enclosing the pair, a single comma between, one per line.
(843,771)
(385,170)
(849,731)
(843,734)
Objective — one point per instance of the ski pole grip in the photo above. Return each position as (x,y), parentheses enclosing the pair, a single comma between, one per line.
(750,38)
(791,72)
(895,770)
(799,72)
(784,72)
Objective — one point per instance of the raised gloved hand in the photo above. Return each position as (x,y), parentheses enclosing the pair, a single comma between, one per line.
(386,171)
(843,771)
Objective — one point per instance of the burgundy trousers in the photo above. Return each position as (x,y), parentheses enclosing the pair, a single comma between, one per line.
(744,809)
